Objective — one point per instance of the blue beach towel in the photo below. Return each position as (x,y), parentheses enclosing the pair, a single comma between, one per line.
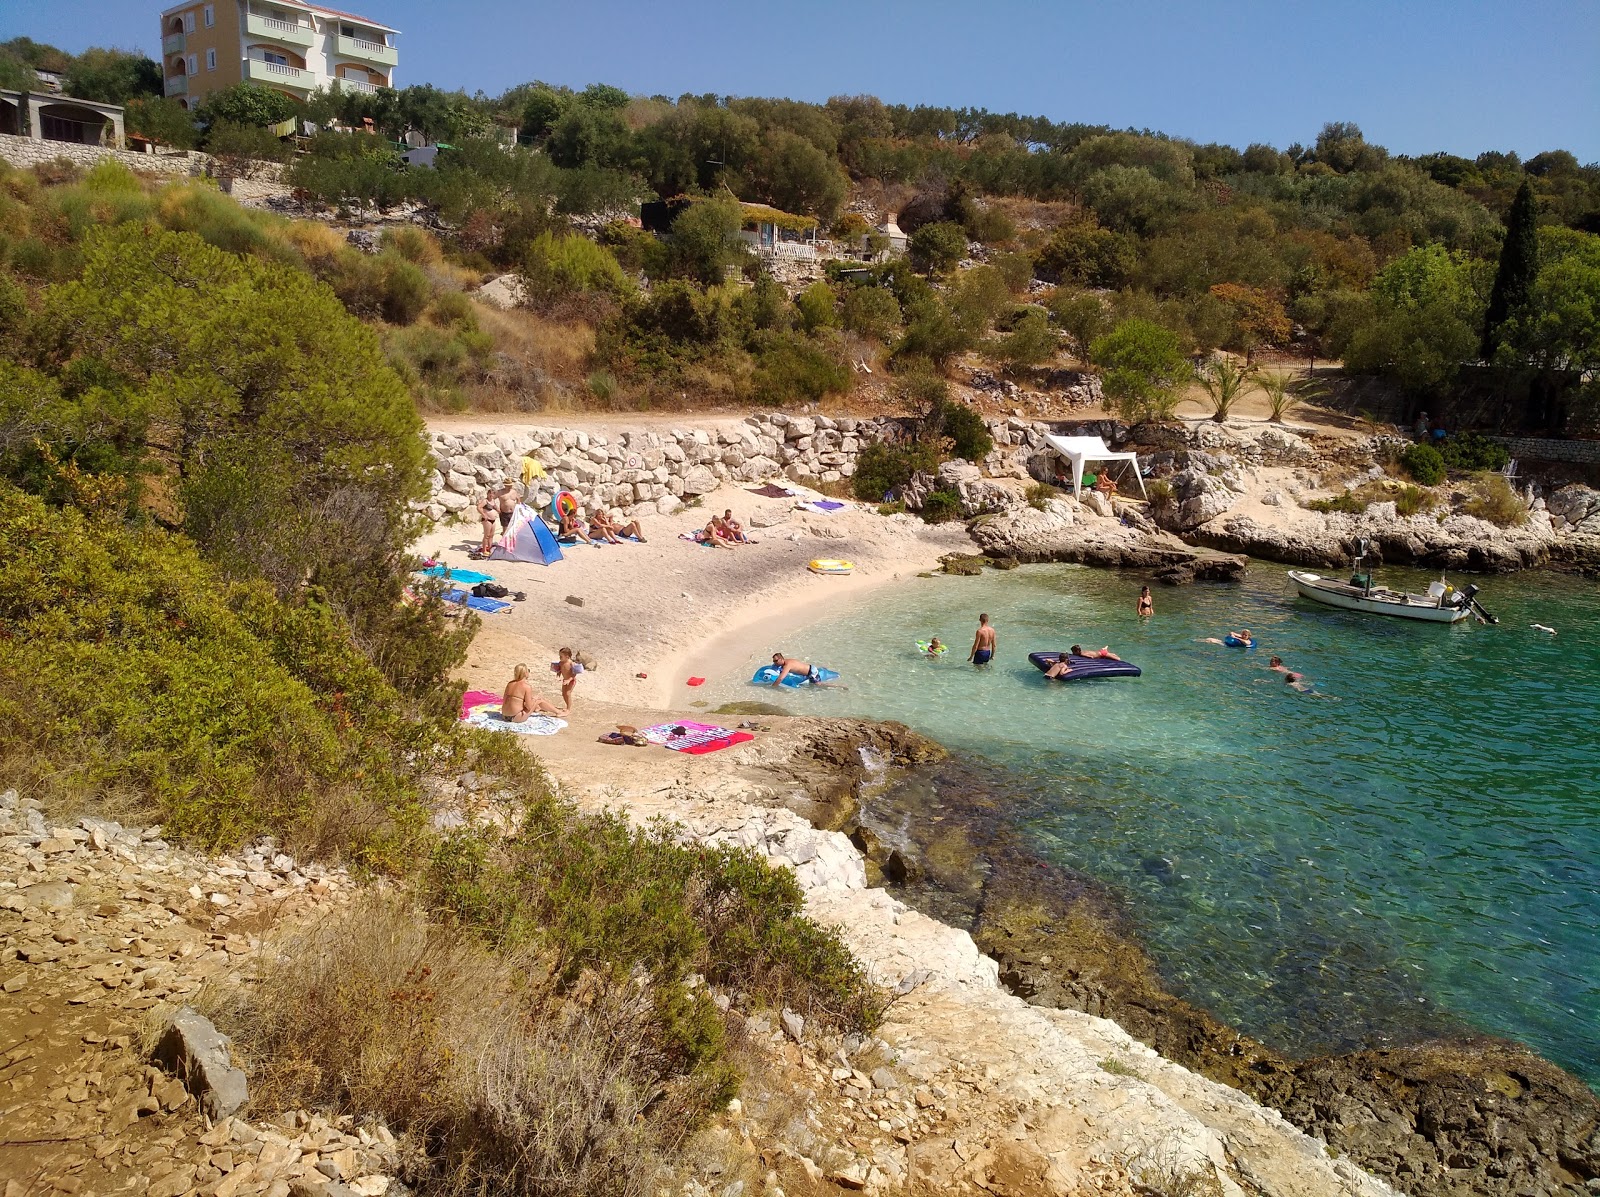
(488,606)
(467,577)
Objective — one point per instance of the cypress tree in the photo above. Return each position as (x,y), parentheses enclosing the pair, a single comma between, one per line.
(1519,262)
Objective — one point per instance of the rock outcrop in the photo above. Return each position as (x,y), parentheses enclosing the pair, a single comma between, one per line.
(1063,530)
(198,1055)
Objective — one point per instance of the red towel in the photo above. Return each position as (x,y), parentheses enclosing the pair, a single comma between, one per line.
(728,741)
(697,681)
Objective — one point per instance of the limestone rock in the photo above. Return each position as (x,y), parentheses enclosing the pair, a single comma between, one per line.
(197,1053)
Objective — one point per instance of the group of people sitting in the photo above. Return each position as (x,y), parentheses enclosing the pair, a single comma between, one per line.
(722,532)
(570,528)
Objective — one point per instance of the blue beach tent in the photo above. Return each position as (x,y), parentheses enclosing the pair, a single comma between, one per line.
(528,539)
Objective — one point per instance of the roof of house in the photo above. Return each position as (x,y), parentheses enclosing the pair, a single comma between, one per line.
(784,220)
(317,8)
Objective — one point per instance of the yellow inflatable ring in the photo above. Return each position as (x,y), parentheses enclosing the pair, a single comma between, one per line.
(830,565)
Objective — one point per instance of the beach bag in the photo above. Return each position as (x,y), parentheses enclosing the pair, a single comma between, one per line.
(490,590)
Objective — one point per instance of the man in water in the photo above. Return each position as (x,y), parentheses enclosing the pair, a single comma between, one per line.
(1098,654)
(803,669)
(1061,668)
(983,643)
(519,700)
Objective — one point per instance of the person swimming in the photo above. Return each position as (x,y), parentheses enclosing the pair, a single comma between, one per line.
(1289,675)
(935,647)
(1239,639)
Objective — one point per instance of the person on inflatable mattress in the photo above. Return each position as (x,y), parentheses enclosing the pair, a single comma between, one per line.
(787,665)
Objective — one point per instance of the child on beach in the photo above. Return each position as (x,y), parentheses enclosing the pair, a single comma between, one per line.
(567,670)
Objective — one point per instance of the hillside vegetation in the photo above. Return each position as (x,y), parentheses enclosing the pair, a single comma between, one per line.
(208,620)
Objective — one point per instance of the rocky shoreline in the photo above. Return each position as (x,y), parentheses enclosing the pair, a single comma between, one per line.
(1225,491)
(1453,1115)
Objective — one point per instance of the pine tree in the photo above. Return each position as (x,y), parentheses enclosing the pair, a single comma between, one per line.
(1519,262)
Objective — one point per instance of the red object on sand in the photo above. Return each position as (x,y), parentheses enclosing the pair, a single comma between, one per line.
(728,741)
(697,681)
(641,675)
(476,698)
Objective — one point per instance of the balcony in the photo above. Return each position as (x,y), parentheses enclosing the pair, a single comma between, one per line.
(276,74)
(355,85)
(172,44)
(177,85)
(355,47)
(279,31)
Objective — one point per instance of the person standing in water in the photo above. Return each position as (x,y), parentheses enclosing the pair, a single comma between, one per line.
(1147,605)
(983,643)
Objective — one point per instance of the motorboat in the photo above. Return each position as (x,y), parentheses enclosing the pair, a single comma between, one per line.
(1442,603)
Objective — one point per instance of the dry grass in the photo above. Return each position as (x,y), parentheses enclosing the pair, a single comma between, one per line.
(539,363)
(504,1083)
(1493,500)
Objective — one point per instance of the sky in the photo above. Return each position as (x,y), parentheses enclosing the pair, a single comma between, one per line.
(1461,76)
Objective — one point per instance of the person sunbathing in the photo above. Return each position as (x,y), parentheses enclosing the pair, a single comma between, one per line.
(1094,654)
(1105,485)
(519,701)
(601,524)
(734,528)
(716,535)
(570,527)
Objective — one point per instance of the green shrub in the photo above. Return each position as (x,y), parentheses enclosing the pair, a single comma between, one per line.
(216,709)
(562,267)
(1471,451)
(817,307)
(1041,493)
(1160,494)
(241,144)
(941,506)
(413,244)
(883,468)
(1494,500)
(1348,503)
(406,289)
(1423,463)
(969,436)
(791,369)
(895,508)
(936,248)
(599,893)
(871,311)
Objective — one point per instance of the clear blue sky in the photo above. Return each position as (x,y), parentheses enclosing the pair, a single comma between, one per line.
(1416,75)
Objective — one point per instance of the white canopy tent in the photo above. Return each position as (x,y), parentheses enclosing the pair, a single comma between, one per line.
(1079,449)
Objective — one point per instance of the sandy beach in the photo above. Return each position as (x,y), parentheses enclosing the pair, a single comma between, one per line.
(669,609)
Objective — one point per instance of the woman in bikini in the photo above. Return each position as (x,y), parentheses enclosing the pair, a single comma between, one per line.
(519,700)
(1147,605)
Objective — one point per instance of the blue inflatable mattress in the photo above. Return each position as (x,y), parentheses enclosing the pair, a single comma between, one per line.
(768,674)
(1084,668)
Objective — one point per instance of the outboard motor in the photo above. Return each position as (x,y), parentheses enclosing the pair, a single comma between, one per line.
(1469,601)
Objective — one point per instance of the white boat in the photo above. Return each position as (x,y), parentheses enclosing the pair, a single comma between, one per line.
(1443,603)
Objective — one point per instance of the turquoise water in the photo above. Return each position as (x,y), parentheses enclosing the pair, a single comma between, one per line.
(1415,844)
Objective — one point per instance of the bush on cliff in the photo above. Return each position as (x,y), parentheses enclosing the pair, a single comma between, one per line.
(136,678)
(882,468)
(1424,464)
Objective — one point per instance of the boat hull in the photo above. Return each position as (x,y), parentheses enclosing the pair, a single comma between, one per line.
(1336,594)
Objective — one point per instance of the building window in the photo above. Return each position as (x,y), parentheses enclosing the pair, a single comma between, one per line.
(188,22)
(211,60)
(193,66)
(269,56)
(210,15)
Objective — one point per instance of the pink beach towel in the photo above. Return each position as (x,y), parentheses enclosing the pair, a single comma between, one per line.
(697,738)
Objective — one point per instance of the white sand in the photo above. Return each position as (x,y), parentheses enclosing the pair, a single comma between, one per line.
(670,609)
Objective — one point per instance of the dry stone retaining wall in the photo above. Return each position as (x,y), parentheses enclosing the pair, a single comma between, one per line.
(655,472)
(26,151)
(1565,452)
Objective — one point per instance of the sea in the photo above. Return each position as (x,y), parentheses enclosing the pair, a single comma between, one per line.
(1409,846)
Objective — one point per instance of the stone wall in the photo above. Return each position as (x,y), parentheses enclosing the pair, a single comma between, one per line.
(1566,452)
(647,472)
(656,472)
(25,151)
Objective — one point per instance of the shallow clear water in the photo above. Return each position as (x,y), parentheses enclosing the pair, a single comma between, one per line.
(1416,843)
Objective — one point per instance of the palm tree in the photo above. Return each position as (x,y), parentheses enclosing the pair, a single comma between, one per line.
(1225,382)
(1283,393)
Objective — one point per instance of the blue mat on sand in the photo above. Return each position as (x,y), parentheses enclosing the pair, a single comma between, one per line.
(488,606)
(467,577)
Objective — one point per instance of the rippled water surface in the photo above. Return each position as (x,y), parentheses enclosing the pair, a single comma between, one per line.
(1416,842)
